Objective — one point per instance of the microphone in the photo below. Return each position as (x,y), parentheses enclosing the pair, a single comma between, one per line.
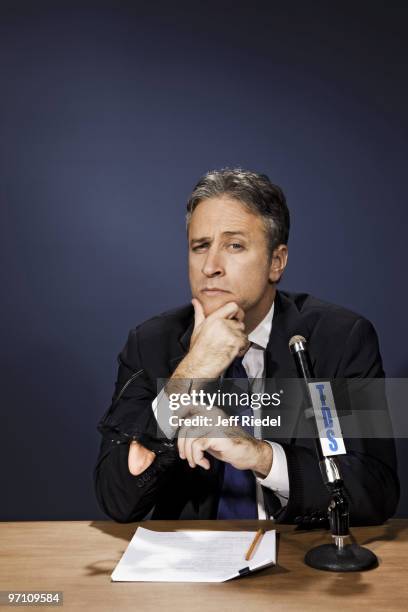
(329,443)
(322,407)
(297,346)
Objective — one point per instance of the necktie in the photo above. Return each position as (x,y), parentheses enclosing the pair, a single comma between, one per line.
(238,489)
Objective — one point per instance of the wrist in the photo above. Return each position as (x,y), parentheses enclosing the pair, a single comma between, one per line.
(186,378)
(194,367)
(263,460)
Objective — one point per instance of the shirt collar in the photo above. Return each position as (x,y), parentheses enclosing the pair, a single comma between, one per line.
(260,335)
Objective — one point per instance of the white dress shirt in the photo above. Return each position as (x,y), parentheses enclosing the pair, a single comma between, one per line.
(254,363)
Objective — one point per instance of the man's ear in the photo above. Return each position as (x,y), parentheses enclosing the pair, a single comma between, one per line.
(278,262)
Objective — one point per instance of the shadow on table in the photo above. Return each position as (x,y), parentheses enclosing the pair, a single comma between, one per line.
(103,567)
(351,583)
(341,584)
(390,532)
(123,531)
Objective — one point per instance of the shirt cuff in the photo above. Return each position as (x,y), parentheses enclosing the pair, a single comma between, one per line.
(162,414)
(278,478)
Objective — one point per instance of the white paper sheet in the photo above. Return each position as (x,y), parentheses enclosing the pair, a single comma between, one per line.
(192,556)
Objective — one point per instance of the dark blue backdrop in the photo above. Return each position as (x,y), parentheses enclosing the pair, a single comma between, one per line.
(109,113)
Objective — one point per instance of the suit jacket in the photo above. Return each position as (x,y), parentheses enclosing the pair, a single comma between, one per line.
(341,344)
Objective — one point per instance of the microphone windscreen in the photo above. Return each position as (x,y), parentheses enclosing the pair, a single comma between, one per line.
(296,339)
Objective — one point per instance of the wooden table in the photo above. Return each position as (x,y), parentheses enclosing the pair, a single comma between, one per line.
(77,557)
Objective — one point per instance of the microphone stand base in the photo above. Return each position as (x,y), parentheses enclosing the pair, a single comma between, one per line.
(351,558)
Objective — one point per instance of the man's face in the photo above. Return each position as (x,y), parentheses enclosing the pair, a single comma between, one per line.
(228,256)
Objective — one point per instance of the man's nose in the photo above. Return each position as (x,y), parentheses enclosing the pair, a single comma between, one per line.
(213,265)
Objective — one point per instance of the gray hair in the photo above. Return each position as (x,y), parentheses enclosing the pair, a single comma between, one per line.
(253,190)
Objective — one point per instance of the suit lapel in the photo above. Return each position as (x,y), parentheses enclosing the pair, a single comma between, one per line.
(186,337)
(280,369)
(183,346)
(286,322)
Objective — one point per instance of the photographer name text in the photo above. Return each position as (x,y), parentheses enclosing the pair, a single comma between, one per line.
(200,420)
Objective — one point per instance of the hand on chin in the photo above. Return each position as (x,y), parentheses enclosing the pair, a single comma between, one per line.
(212,303)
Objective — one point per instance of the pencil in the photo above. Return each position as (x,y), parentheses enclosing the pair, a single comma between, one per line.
(254,544)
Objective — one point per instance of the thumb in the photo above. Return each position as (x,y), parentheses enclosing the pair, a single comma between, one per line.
(139,458)
(199,315)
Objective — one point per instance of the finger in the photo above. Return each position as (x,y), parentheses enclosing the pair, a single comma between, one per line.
(240,315)
(199,315)
(245,346)
(197,449)
(185,437)
(230,310)
(193,435)
(234,324)
(181,440)
(236,314)
(243,343)
(238,332)
(188,450)
(139,458)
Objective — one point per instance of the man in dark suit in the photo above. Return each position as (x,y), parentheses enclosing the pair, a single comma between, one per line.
(239,326)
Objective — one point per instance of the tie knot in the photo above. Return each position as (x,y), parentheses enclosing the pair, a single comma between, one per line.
(236,369)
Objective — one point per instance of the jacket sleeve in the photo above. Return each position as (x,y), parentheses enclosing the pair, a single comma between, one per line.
(369,469)
(121,495)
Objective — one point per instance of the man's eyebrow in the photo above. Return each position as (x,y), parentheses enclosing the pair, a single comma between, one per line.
(226,233)
(203,239)
(235,233)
